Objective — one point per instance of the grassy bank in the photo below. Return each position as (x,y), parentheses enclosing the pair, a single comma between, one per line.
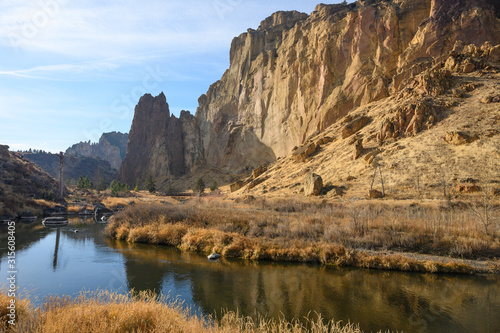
(344,234)
(106,312)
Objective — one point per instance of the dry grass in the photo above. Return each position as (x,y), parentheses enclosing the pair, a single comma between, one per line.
(145,312)
(346,234)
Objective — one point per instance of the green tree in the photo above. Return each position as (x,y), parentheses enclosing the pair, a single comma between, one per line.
(118,188)
(214,186)
(84,183)
(102,185)
(114,188)
(137,188)
(150,184)
(199,187)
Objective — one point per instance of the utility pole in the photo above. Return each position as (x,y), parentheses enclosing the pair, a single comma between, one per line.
(61,163)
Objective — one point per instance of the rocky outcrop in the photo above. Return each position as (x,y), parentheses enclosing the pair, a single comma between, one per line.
(354,126)
(358,149)
(408,120)
(458,138)
(160,143)
(111,147)
(374,194)
(20,182)
(297,74)
(303,153)
(313,184)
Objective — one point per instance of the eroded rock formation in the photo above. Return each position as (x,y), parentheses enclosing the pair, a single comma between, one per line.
(160,143)
(297,74)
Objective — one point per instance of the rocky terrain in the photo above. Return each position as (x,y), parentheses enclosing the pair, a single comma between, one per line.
(410,86)
(408,145)
(111,147)
(22,181)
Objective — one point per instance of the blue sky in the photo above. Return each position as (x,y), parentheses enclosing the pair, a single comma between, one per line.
(71,70)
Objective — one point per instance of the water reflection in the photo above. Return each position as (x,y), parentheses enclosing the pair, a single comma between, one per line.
(62,261)
(54,262)
(377,300)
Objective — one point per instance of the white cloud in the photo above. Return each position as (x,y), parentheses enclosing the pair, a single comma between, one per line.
(91,31)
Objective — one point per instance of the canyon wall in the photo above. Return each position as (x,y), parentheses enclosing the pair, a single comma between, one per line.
(297,74)
(160,144)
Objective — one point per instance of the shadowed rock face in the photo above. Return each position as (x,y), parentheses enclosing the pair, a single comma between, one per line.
(297,74)
(160,143)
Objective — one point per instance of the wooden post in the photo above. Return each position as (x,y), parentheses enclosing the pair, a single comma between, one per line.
(61,164)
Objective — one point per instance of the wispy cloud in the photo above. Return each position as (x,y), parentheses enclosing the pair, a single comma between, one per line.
(48,71)
(89,30)
(64,63)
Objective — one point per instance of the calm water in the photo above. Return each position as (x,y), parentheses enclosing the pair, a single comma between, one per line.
(60,261)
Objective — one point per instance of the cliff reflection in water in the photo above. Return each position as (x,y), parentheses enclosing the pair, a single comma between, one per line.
(376,299)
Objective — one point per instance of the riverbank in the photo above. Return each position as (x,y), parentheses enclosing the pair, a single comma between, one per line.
(420,238)
(145,312)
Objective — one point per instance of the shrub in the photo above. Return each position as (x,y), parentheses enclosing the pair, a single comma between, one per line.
(214,186)
(199,187)
(118,188)
(84,183)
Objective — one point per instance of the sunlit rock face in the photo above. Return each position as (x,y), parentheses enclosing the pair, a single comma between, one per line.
(297,74)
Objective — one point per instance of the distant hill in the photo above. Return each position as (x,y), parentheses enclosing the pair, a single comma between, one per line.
(21,181)
(74,167)
(111,147)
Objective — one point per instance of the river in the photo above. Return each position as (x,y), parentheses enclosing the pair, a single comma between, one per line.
(61,261)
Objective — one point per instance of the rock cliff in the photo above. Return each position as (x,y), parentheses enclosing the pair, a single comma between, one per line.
(297,74)
(111,147)
(160,143)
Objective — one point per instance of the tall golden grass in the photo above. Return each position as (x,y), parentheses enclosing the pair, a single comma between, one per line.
(338,234)
(144,312)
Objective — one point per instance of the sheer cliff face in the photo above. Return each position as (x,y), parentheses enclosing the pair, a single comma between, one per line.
(160,143)
(297,74)
(111,147)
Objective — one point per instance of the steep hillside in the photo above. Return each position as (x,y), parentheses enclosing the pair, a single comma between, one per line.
(111,147)
(20,182)
(74,167)
(426,145)
(383,65)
